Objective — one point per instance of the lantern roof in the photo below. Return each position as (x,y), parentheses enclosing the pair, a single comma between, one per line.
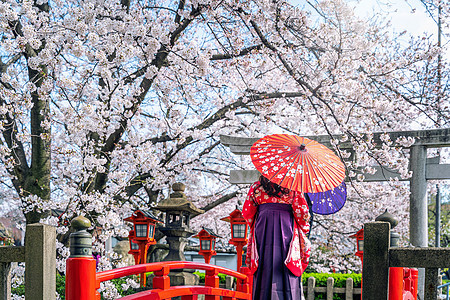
(178,201)
(359,233)
(206,232)
(142,214)
(235,214)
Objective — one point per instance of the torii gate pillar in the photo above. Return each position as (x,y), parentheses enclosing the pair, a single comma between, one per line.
(418,205)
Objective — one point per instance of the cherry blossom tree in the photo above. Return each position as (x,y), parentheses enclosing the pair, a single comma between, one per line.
(104,104)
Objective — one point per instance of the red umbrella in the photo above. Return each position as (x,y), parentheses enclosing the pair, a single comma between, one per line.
(297,163)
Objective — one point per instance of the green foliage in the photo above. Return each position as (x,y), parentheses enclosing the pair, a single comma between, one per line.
(339,281)
(61,286)
(201,276)
(222,277)
(19,290)
(445,219)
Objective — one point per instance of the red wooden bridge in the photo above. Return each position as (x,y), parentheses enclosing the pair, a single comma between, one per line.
(83,282)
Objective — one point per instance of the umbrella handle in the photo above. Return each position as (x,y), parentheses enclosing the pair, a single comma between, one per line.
(311,213)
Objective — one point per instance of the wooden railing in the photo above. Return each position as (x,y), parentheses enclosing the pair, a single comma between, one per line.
(82,282)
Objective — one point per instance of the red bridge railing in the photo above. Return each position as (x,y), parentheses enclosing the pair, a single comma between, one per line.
(83,282)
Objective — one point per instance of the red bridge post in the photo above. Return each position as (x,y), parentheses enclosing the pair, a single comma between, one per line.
(212,280)
(161,280)
(245,286)
(81,266)
(80,279)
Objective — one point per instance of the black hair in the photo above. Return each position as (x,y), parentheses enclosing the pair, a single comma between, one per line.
(272,189)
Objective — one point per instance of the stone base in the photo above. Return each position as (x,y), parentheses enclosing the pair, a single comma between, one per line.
(122,248)
(183,278)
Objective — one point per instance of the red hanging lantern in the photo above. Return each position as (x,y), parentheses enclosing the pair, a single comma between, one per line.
(359,243)
(144,223)
(134,247)
(239,231)
(207,243)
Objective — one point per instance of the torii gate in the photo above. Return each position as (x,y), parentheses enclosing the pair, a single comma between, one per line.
(423,169)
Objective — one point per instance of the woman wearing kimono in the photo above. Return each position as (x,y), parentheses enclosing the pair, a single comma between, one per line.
(278,250)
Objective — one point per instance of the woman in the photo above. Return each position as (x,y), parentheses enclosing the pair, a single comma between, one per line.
(278,249)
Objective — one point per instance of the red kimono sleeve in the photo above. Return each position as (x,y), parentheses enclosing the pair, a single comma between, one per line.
(249,212)
(250,206)
(301,215)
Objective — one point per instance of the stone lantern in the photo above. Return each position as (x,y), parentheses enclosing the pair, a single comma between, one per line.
(179,211)
(394,236)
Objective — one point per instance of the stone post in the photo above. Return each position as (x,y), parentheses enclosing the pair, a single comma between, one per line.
(40,262)
(431,283)
(5,280)
(8,255)
(395,289)
(376,261)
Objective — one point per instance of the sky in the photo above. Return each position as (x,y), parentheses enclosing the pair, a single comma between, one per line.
(405,15)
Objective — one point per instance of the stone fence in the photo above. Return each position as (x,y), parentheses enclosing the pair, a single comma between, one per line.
(379,257)
(39,255)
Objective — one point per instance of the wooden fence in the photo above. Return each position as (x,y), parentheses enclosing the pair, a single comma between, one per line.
(311,290)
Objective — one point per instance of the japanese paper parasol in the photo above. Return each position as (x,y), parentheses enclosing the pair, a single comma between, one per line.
(297,163)
(329,202)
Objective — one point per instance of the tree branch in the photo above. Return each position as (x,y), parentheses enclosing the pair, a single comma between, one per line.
(221,200)
(159,61)
(243,52)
